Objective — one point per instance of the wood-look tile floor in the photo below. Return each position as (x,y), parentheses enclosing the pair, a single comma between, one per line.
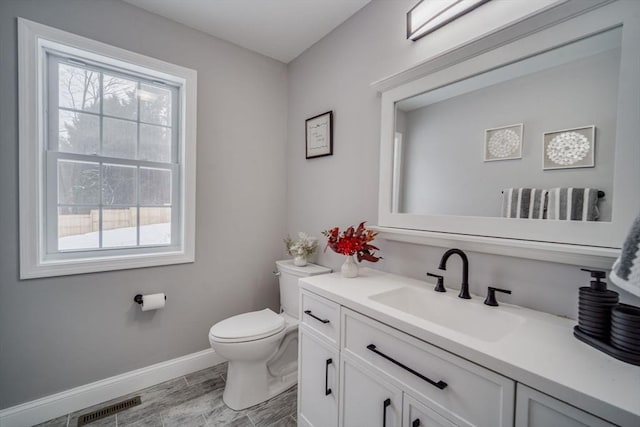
(194,400)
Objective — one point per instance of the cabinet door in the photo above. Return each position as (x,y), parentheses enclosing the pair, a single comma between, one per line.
(368,400)
(417,414)
(535,409)
(317,382)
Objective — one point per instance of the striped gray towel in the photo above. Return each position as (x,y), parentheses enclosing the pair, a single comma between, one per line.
(573,204)
(524,203)
(625,272)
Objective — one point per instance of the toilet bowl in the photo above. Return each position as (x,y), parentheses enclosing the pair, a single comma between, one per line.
(262,346)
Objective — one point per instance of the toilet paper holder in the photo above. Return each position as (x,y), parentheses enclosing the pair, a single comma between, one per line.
(138,298)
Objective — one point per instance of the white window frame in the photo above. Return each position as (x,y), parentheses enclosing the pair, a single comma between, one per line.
(35,260)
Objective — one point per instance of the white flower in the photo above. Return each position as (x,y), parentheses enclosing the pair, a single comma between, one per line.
(304,246)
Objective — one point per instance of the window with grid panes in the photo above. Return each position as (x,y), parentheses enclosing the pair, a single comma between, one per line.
(108,162)
(112,158)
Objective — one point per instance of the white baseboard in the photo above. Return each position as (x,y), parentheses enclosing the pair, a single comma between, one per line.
(75,399)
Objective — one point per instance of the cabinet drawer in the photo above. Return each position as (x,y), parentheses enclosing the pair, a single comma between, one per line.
(321,315)
(466,393)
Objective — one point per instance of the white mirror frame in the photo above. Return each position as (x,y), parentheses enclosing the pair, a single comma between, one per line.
(595,243)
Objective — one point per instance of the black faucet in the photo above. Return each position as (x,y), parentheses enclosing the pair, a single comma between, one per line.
(464,288)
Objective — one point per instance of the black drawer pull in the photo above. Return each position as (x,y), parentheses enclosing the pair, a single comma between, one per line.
(416,423)
(327,390)
(385,405)
(440,384)
(308,312)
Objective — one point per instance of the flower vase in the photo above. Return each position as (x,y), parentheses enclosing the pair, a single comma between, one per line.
(299,260)
(349,268)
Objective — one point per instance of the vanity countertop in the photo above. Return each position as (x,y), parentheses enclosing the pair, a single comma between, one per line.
(541,352)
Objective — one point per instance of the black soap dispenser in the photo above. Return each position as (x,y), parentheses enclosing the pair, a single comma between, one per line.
(594,306)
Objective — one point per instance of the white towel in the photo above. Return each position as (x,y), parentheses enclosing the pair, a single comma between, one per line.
(625,272)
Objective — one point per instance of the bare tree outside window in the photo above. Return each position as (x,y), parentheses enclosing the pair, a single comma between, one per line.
(101,202)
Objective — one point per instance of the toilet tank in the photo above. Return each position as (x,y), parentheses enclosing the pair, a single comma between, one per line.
(289,275)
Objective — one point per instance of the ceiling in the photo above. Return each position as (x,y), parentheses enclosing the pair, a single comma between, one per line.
(280,29)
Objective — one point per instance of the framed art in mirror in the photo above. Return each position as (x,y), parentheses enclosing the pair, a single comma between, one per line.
(569,148)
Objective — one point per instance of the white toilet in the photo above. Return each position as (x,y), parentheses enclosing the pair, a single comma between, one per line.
(262,346)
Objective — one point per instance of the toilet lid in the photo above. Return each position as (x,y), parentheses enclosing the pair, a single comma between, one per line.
(248,326)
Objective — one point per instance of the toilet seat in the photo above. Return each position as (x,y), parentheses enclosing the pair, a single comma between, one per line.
(249,326)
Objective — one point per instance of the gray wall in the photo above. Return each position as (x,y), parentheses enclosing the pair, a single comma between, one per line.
(63,332)
(446,138)
(335,74)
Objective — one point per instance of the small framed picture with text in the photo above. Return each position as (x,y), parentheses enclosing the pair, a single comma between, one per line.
(319,135)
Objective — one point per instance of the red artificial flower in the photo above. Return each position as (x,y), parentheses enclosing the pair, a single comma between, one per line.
(353,242)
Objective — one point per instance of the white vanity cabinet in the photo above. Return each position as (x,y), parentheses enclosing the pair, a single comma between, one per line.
(406,356)
(388,378)
(535,409)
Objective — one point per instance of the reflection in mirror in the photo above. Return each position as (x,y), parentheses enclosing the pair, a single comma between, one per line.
(461,150)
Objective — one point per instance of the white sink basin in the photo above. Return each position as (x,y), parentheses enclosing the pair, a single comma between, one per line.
(469,317)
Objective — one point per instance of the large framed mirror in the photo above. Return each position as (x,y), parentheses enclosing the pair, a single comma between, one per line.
(531,148)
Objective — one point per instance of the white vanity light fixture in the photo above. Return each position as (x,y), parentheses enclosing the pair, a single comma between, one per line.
(429,15)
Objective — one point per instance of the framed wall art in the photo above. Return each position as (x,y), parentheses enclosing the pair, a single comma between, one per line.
(569,148)
(319,135)
(503,143)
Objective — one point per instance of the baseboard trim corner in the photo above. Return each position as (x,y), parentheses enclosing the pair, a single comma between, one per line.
(75,399)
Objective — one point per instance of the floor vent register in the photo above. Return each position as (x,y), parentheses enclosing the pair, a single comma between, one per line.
(108,411)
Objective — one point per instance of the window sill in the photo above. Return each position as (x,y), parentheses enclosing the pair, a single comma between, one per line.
(101,264)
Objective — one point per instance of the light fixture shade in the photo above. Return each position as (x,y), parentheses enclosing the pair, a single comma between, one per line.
(429,15)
